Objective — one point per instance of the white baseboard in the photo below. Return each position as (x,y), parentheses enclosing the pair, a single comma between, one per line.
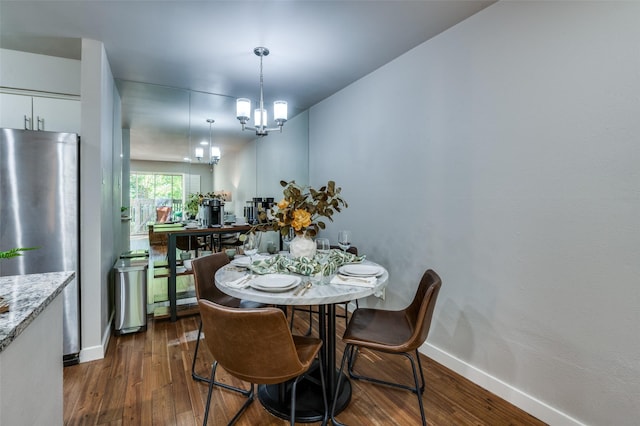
(526,402)
(97,352)
(91,353)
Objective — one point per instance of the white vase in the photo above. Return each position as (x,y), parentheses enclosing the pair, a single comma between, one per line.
(302,246)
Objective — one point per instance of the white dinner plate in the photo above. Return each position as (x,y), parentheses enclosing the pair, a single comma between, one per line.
(243,261)
(275,282)
(359,270)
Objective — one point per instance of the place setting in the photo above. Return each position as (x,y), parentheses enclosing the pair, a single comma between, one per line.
(357,274)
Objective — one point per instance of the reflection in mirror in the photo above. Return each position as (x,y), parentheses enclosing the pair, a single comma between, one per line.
(167,124)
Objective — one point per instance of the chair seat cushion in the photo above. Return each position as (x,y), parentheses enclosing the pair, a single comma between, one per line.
(378,329)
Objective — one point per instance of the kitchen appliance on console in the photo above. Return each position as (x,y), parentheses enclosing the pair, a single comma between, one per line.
(39,207)
(256,206)
(213,212)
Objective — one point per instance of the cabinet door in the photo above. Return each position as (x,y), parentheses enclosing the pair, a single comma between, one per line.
(56,115)
(15,112)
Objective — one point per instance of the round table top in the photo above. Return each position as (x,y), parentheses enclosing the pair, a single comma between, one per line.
(318,294)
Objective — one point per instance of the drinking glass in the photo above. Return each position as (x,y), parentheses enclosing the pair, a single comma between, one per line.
(323,249)
(250,247)
(288,238)
(344,240)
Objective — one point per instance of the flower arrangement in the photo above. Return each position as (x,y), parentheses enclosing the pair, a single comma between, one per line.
(302,207)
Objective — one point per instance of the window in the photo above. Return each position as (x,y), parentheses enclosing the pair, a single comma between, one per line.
(148,192)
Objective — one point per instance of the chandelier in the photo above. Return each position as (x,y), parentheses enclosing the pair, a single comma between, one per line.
(243,107)
(214,151)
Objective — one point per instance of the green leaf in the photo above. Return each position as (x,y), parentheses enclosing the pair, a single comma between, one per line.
(14,252)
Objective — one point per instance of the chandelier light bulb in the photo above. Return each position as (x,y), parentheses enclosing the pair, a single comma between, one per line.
(243,109)
(260,119)
(280,111)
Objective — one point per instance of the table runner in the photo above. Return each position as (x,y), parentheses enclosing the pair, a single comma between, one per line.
(305,265)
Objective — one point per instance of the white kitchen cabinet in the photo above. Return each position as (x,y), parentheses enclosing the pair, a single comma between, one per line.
(39,113)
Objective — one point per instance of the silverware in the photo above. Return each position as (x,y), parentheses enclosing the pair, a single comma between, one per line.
(299,288)
(243,282)
(306,288)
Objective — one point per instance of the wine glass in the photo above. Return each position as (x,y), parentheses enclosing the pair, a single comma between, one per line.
(344,240)
(286,240)
(323,249)
(250,247)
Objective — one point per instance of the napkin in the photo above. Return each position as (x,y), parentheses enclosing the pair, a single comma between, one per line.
(355,281)
(241,282)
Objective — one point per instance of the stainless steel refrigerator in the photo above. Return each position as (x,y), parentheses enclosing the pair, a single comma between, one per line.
(39,207)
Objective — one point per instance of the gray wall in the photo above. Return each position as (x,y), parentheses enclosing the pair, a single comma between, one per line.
(504,154)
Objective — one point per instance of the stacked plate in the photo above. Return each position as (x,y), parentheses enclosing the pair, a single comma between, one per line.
(243,261)
(275,282)
(360,270)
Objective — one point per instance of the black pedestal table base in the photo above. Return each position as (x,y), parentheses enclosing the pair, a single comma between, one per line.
(276,399)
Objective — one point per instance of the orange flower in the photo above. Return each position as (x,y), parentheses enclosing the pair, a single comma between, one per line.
(283,204)
(301,219)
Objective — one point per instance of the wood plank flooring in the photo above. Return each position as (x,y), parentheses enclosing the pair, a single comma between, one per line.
(145,379)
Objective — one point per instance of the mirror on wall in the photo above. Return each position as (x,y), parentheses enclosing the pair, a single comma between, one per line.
(167,124)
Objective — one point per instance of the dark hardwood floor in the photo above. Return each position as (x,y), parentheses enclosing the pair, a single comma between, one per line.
(145,379)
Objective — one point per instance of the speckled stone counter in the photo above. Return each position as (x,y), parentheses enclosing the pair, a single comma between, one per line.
(31,349)
(28,296)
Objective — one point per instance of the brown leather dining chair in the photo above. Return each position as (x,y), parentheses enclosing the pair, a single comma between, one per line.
(395,332)
(256,346)
(352,250)
(204,270)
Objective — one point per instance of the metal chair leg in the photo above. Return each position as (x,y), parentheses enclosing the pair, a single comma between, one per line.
(293,312)
(418,390)
(212,382)
(195,376)
(195,357)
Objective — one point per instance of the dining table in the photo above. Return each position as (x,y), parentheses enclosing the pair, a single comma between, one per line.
(324,294)
(172,234)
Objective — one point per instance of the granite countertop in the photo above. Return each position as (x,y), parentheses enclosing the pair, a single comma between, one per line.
(28,296)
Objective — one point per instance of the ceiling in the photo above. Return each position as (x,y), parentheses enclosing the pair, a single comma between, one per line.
(316,49)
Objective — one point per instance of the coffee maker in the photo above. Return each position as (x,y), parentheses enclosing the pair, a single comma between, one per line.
(213,212)
(254,207)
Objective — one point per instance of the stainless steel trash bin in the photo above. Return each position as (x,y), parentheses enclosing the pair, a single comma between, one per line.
(131,295)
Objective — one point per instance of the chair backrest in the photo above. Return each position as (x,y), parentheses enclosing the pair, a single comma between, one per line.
(352,250)
(163,214)
(204,271)
(420,311)
(254,345)
(188,243)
